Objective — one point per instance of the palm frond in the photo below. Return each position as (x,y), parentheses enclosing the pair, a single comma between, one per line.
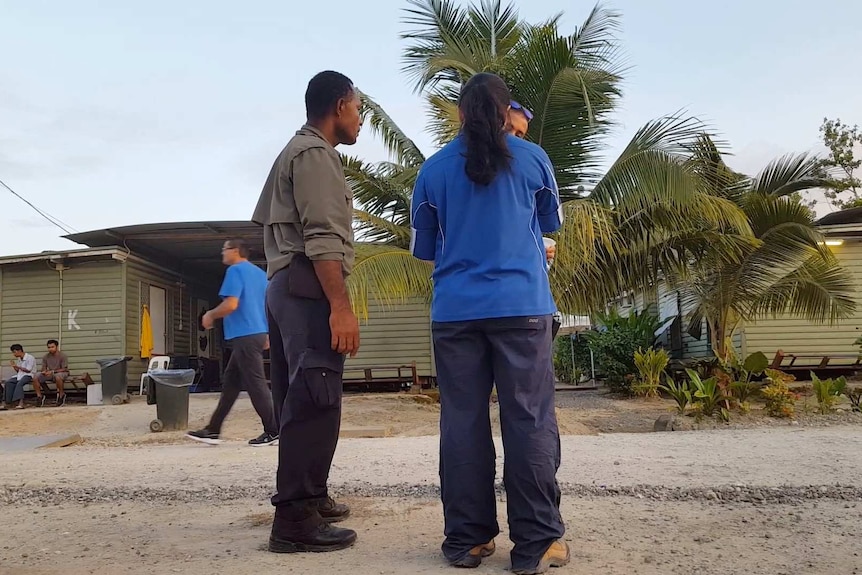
(820,290)
(374,228)
(388,276)
(789,174)
(400,147)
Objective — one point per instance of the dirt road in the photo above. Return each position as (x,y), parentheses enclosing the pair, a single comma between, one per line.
(726,502)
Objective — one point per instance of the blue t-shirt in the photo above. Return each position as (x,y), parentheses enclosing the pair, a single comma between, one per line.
(486,241)
(246,282)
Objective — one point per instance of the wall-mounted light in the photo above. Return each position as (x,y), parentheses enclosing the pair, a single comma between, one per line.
(833,242)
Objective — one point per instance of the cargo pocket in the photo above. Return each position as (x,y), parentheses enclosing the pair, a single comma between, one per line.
(321,372)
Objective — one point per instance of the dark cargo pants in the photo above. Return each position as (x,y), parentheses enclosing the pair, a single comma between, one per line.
(306,390)
(245,371)
(514,354)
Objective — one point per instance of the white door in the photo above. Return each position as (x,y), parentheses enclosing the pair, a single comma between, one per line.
(158,319)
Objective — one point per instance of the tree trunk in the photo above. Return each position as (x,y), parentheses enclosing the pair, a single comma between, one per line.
(722,339)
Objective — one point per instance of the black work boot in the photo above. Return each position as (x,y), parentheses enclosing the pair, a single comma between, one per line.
(301,529)
(331,511)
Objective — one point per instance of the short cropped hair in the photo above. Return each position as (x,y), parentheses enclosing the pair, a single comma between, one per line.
(240,245)
(323,93)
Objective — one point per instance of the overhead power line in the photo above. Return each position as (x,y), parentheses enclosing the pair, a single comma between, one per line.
(55,221)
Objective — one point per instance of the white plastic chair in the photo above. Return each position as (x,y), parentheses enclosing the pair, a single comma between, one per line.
(158,362)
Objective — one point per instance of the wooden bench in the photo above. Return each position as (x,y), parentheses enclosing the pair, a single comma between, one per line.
(77,383)
(846,362)
(407,377)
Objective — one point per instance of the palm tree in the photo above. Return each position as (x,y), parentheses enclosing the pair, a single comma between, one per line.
(788,269)
(649,214)
(385,269)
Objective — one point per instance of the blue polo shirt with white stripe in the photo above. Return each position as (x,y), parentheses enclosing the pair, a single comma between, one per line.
(486,241)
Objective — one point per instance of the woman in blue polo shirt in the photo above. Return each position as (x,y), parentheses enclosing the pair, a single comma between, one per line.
(480,207)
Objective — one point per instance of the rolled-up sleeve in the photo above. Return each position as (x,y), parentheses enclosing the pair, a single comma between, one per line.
(423,222)
(321,200)
(548,204)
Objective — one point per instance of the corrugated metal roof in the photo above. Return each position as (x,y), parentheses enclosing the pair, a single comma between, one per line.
(185,245)
(849,216)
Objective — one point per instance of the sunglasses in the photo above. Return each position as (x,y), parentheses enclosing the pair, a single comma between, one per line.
(516,106)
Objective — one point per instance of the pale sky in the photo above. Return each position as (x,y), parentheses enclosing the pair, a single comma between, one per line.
(118,113)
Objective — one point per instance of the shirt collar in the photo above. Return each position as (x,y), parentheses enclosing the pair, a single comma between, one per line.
(308,129)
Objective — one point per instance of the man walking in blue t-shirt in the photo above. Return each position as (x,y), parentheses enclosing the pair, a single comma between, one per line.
(243,308)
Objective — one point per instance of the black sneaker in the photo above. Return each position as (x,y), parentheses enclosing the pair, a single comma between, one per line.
(263,439)
(40,401)
(61,400)
(204,436)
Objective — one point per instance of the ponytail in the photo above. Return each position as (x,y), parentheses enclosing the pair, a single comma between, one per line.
(484,105)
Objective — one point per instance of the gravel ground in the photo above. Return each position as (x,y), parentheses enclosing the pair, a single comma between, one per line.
(788,456)
(782,500)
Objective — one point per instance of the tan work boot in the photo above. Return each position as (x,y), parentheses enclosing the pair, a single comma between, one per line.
(474,557)
(557,555)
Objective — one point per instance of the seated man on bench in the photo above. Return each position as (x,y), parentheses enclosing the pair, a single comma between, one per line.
(24,365)
(55,368)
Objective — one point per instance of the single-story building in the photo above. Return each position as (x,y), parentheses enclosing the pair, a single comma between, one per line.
(91,300)
(813,342)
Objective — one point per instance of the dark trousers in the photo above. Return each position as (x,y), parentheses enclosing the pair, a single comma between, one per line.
(13,388)
(306,390)
(514,353)
(245,371)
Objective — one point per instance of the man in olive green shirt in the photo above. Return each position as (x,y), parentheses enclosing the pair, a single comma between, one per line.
(306,210)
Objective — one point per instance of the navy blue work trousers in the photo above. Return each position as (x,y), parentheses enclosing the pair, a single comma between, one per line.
(471,357)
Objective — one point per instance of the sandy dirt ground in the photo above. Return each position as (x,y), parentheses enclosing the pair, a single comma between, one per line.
(771,501)
(400,415)
(398,536)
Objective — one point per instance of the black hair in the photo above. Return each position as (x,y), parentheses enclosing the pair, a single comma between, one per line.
(240,245)
(323,93)
(484,104)
(54,341)
(16,347)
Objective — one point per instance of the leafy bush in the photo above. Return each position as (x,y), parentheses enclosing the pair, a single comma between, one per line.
(650,365)
(705,367)
(614,345)
(854,394)
(566,350)
(780,401)
(827,391)
(743,388)
(707,394)
(742,391)
(679,392)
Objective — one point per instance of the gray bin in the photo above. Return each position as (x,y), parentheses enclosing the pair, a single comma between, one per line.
(115,384)
(170,388)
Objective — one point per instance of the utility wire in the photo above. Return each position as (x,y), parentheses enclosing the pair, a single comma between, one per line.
(57,222)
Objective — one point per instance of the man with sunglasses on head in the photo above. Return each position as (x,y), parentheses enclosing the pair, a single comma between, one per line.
(518,123)
(519,120)
(243,308)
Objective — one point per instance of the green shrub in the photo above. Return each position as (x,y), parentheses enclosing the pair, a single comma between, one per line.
(650,365)
(780,401)
(827,391)
(567,349)
(854,394)
(679,392)
(615,344)
(706,393)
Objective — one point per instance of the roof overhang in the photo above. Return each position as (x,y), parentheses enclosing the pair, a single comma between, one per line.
(185,246)
(60,256)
